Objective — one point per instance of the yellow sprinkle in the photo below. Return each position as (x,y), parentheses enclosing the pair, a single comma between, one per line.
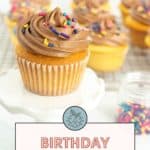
(143,116)
(104,33)
(140,9)
(132,120)
(65,23)
(46,42)
(100,36)
(143,130)
(94,11)
(23,4)
(26,26)
(144,16)
(130,114)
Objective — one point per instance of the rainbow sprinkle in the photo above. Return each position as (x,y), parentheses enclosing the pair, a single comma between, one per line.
(46,43)
(137,114)
(69,22)
(42,14)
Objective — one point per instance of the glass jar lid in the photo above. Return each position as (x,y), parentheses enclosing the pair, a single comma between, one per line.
(136,87)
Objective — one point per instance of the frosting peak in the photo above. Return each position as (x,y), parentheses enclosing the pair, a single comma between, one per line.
(53,34)
(55,18)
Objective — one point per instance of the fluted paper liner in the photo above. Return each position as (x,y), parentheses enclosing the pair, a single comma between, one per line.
(52,80)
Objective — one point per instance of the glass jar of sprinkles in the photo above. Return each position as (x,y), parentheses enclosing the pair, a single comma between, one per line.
(134,104)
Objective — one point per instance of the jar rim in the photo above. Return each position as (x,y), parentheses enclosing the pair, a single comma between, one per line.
(136,86)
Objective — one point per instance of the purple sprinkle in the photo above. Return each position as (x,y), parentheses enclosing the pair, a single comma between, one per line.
(65,35)
(96,27)
(54,31)
(74,20)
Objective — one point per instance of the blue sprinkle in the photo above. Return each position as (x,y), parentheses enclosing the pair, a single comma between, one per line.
(64,14)
(125,107)
(137,126)
(50,45)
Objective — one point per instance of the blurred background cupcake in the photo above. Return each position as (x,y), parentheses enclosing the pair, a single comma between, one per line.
(126,6)
(51,54)
(109,44)
(21,10)
(98,3)
(87,11)
(147,39)
(139,23)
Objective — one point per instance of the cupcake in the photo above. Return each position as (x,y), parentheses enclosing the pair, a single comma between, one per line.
(88,11)
(98,3)
(52,53)
(139,23)
(18,15)
(38,5)
(20,10)
(109,44)
(125,7)
(147,40)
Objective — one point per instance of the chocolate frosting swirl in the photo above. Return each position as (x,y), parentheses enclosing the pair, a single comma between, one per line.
(48,34)
(106,32)
(141,12)
(129,3)
(88,10)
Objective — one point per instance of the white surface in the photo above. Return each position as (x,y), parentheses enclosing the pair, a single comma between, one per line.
(104,112)
(88,95)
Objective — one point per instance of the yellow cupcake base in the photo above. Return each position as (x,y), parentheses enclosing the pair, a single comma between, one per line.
(106,58)
(51,76)
(124,12)
(147,40)
(138,32)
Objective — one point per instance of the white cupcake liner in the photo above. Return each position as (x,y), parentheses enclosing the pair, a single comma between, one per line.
(53,80)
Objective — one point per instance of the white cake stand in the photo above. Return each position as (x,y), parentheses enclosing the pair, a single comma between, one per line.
(16,99)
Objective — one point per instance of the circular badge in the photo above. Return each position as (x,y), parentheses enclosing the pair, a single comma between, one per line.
(75,118)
